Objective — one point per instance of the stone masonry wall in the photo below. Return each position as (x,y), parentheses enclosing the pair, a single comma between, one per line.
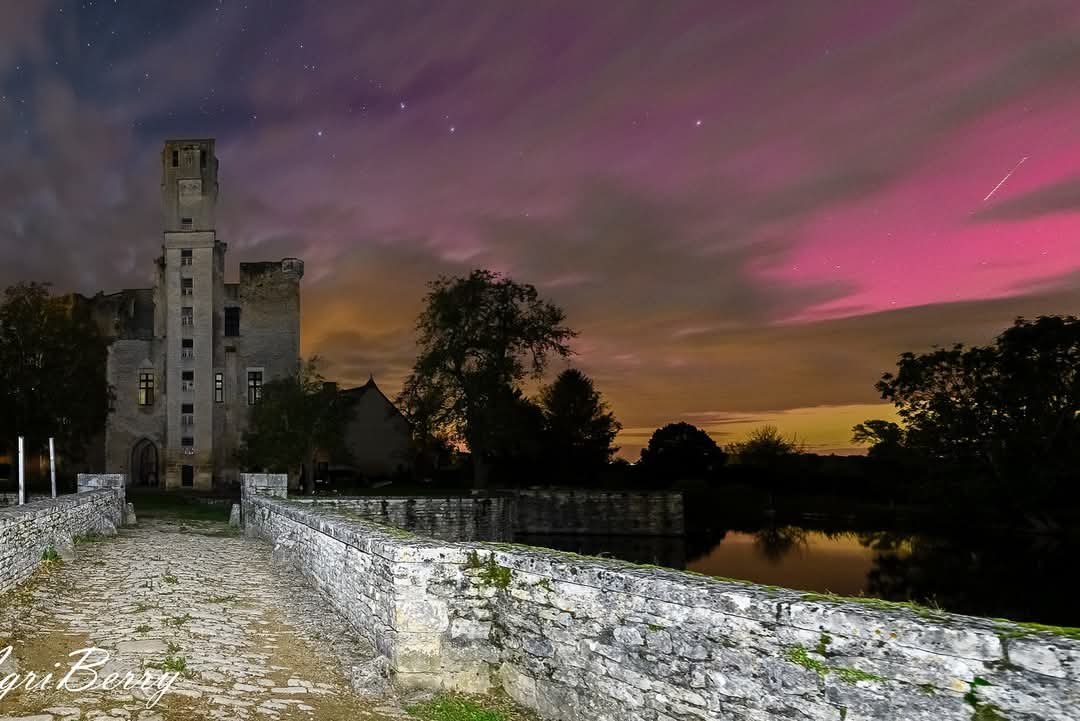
(581,639)
(27,531)
(604,513)
(407,595)
(458,518)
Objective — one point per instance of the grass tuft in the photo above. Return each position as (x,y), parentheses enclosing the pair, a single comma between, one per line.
(454,708)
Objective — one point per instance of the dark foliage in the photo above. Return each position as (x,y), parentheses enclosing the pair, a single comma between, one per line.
(52,371)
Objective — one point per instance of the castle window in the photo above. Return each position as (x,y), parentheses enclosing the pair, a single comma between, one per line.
(187,475)
(186,223)
(187,381)
(187,446)
(232,321)
(254,387)
(185,256)
(219,387)
(187,286)
(187,414)
(146,389)
(176,158)
(187,347)
(202,159)
(187,315)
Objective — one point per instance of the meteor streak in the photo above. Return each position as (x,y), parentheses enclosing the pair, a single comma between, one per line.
(1005,178)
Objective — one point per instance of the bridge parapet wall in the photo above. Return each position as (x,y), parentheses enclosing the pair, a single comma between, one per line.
(27,531)
(449,518)
(581,639)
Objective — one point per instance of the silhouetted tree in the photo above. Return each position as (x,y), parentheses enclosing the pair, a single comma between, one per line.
(514,428)
(765,446)
(579,428)
(681,451)
(479,337)
(293,419)
(1008,413)
(884,437)
(52,371)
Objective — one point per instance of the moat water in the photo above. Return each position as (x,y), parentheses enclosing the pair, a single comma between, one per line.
(1017,576)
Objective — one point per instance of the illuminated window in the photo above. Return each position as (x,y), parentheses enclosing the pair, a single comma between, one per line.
(254,387)
(146,389)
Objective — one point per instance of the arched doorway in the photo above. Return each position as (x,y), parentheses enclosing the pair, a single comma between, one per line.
(144,463)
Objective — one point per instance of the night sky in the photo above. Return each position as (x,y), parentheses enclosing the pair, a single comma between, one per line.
(747,209)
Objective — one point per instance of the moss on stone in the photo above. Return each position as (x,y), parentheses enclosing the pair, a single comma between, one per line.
(981,711)
(491,573)
(800,656)
(1016,629)
(854,675)
(877,603)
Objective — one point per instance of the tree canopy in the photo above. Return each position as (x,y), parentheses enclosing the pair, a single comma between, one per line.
(52,370)
(764,446)
(479,337)
(293,418)
(680,451)
(1007,412)
(579,428)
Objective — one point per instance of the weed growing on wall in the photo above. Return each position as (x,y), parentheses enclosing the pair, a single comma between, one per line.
(491,573)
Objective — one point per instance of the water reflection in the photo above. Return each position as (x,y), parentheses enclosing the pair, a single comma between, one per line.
(1014,576)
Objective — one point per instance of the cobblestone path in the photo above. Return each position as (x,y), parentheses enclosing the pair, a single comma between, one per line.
(252,641)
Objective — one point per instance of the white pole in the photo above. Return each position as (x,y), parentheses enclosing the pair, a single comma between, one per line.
(22,477)
(52,466)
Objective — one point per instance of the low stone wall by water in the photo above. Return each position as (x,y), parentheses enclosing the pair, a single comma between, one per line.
(602,513)
(583,639)
(451,518)
(27,531)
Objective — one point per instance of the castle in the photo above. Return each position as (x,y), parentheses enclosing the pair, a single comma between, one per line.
(188,356)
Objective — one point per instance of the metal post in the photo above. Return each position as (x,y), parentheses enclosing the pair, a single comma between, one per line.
(52,466)
(22,476)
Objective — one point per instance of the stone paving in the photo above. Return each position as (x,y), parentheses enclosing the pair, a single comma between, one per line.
(250,640)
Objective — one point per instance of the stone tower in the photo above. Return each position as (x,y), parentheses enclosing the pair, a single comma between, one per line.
(190,300)
(188,357)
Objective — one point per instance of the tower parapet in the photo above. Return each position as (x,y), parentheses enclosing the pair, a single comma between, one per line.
(293,268)
(189,185)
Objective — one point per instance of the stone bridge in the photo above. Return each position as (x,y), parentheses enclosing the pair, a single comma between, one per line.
(303,615)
